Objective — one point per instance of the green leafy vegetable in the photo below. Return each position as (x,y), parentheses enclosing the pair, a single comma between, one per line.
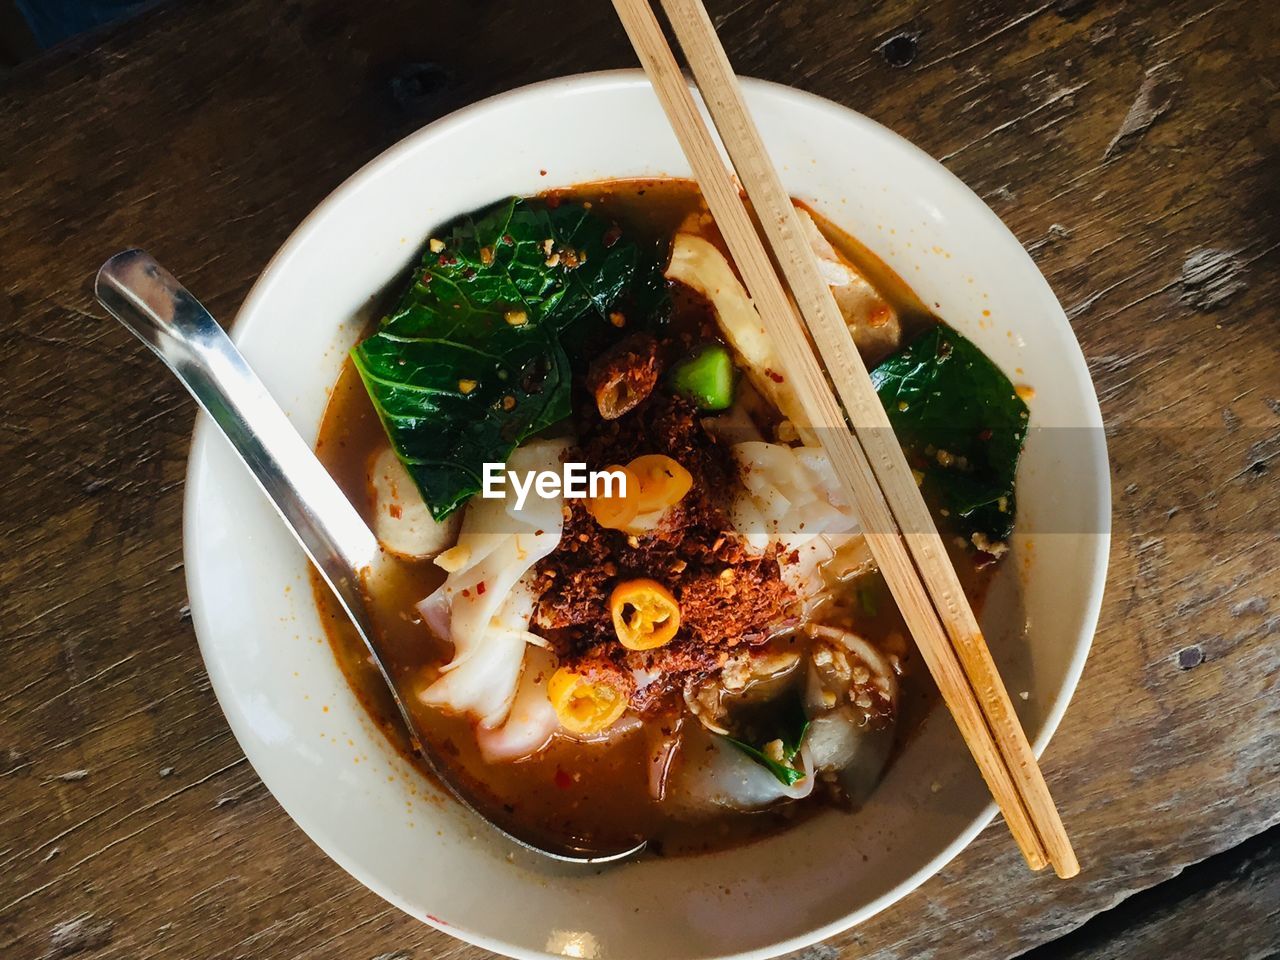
(961,424)
(478,353)
(706,377)
(794,725)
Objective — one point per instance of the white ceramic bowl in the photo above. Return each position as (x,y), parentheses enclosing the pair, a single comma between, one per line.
(309,739)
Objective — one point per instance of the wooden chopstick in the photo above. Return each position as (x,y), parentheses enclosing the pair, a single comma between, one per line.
(778,218)
(778,313)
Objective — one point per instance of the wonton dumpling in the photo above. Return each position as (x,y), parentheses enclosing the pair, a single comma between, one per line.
(484,605)
(532,720)
(871,319)
(789,496)
(710,774)
(402,521)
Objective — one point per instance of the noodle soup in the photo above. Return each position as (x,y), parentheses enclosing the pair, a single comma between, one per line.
(714,654)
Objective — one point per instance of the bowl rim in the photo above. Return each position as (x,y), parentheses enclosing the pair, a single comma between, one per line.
(603,81)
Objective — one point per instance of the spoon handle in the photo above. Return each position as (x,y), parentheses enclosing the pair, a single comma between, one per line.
(156,308)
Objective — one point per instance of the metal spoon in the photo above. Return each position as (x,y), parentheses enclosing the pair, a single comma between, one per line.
(160,312)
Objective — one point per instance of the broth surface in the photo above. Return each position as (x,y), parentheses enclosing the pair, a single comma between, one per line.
(572,788)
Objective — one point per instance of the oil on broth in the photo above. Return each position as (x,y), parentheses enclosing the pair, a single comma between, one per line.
(571,788)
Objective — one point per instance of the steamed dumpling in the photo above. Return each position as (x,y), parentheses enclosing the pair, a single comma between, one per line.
(532,720)
(709,773)
(789,498)
(484,605)
(874,323)
(402,522)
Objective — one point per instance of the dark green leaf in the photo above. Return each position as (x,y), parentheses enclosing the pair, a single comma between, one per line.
(793,725)
(961,423)
(788,775)
(651,292)
(454,380)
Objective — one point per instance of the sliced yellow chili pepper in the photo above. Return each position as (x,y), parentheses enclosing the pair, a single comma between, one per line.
(663,482)
(645,614)
(616,512)
(584,706)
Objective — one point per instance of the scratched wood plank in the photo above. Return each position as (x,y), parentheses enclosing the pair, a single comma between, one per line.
(1177,919)
(1126,146)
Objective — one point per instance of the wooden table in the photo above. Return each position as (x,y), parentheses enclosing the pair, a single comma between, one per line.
(1133,149)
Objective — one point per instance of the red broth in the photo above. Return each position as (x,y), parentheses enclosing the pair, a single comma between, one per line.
(571,788)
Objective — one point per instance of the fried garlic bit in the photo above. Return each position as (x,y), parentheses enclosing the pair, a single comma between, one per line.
(623,376)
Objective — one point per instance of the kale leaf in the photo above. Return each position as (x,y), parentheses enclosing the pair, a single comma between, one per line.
(479,352)
(961,423)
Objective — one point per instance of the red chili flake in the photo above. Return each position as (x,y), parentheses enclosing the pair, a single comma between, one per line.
(468,273)
(466,592)
(774,375)
(554,200)
(480,589)
(447,260)
(985,434)
(612,236)
(426,278)
(396,511)
(509,240)
(542,173)
(563,780)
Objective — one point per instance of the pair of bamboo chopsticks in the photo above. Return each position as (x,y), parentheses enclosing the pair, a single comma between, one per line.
(868,461)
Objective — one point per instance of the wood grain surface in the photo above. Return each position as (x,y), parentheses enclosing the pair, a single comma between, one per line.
(1131,147)
(1227,906)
